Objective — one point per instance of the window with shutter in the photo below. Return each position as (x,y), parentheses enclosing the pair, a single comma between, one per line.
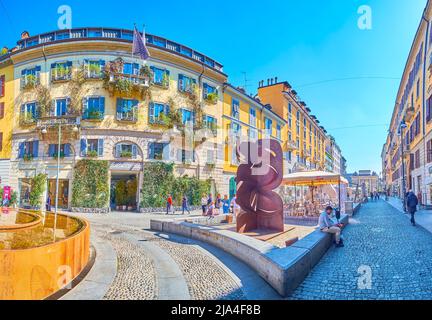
(429,151)
(2,85)
(2,110)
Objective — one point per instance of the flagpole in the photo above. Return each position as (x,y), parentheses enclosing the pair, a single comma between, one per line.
(132,62)
(144,39)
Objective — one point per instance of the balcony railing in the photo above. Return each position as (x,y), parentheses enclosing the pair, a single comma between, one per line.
(67,120)
(409,113)
(134,79)
(93,115)
(29,81)
(120,35)
(26,119)
(291,145)
(64,75)
(130,116)
(306,153)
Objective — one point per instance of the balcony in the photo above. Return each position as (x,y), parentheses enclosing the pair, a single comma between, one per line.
(61,74)
(27,119)
(29,82)
(409,113)
(110,34)
(48,127)
(66,120)
(307,153)
(130,116)
(291,145)
(132,79)
(93,115)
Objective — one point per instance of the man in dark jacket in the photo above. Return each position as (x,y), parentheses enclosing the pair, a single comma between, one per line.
(412,202)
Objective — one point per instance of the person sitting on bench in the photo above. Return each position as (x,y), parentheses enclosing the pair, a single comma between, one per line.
(327,225)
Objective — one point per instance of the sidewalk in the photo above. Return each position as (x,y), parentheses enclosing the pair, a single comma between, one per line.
(422,217)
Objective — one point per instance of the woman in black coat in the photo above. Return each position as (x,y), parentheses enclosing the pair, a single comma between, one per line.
(412,202)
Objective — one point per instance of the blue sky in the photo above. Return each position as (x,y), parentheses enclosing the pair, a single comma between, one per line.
(305,42)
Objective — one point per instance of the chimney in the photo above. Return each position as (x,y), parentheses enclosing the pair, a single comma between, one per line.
(25,35)
(268,82)
(276,79)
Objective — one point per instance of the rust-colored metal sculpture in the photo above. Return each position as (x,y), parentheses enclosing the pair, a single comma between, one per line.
(259,174)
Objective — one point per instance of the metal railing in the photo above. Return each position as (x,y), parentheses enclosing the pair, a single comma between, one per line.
(117,34)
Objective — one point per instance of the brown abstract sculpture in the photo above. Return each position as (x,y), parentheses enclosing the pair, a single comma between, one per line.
(260,172)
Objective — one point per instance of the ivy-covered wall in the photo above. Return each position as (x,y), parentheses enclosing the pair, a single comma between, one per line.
(90,188)
(159,181)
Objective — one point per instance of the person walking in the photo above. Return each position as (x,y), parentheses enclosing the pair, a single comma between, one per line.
(211,210)
(48,202)
(235,207)
(204,200)
(169,207)
(411,203)
(218,203)
(185,205)
(226,205)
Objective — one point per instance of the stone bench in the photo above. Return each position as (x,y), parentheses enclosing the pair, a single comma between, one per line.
(283,268)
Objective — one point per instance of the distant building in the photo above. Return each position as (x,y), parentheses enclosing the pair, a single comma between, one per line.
(365,180)
(407,153)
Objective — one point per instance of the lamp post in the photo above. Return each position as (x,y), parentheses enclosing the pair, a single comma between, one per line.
(401,127)
(75,129)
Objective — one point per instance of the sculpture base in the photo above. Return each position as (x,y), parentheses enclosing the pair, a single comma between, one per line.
(247,222)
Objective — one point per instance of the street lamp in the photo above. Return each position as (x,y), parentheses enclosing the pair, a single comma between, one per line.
(401,127)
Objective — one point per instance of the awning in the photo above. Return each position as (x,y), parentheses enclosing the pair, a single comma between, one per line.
(313,178)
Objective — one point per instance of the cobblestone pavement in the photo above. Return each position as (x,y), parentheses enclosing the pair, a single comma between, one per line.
(198,268)
(384,258)
(136,277)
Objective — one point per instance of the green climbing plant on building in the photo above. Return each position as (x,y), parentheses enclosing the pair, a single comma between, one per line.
(90,188)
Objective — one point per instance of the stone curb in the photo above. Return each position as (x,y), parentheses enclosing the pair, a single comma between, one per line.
(283,268)
(100,278)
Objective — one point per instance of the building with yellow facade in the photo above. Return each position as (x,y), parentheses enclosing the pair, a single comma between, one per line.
(303,137)
(244,117)
(6,116)
(112,106)
(407,153)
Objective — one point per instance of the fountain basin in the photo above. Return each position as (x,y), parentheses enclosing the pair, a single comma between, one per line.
(17,220)
(38,259)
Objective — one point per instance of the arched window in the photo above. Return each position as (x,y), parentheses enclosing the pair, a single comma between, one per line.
(126,150)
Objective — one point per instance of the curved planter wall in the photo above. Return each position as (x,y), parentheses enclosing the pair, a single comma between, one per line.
(36,273)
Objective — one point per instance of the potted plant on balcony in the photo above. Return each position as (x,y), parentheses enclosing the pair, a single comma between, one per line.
(165,81)
(126,154)
(27,118)
(30,81)
(145,71)
(55,155)
(92,154)
(27,157)
(94,70)
(94,115)
(212,97)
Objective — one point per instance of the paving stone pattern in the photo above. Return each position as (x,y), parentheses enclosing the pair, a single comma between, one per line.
(379,239)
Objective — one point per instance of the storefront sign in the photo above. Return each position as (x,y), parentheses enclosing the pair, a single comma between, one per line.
(6,195)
